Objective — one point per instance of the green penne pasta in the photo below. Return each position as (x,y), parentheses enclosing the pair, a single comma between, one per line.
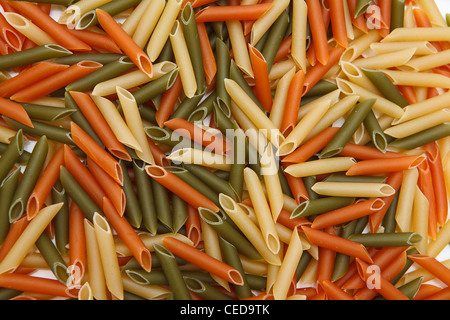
(53,258)
(236,178)
(231,257)
(421,138)
(89,19)
(79,118)
(389,224)
(61,220)
(385,86)
(172,273)
(32,55)
(103,58)
(42,128)
(217,184)
(155,87)
(222,122)
(342,261)
(351,123)
(375,132)
(7,294)
(162,204)
(78,194)
(28,180)
(274,38)
(394,239)
(361,7)
(179,212)
(205,290)
(23,158)
(397,14)
(133,209)
(320,205)
(11,154)
(204,108)
(189,26)
(7,189)
(145,196)
(229,233)
(223,63)
(339,177)
(108,71)
(322,87)
(187,106)
(46,113)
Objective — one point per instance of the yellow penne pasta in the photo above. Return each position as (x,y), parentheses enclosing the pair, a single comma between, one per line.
(105,241)
(403,212)
(321,166)
(299,33)
(28,238)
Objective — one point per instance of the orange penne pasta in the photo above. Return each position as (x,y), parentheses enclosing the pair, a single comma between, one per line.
(55,81)
(437,177)
(100,125)
(45,183)
(284,218)
(362,152)
(83,176)
(261,77)
(293,99)
(37,284)
(426,290)
(10,35)
(297,186)
(14,233)
(375,166)
(14,111)
(336,243)
(49,25)
(359,22)
(99,41)
(354,211)
(375,219)
(30,76)
(180,188)
(230,12)
(209,60)
(112,189)
(385,15)
(203,260)
(128,235)
(385,288)
(388,273)
(97,153)
(408,93)
(333,292)
(215,143)
(311,147)
(125,42)
(316,73)
(158,155)
(383,258)
(326,260)
(318,31)
(425,183)
(339,29)
(77,244)
(433,266)
(284,49)
(168,102)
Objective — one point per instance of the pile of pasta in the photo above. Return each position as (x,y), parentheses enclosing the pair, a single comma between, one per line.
(224,150)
